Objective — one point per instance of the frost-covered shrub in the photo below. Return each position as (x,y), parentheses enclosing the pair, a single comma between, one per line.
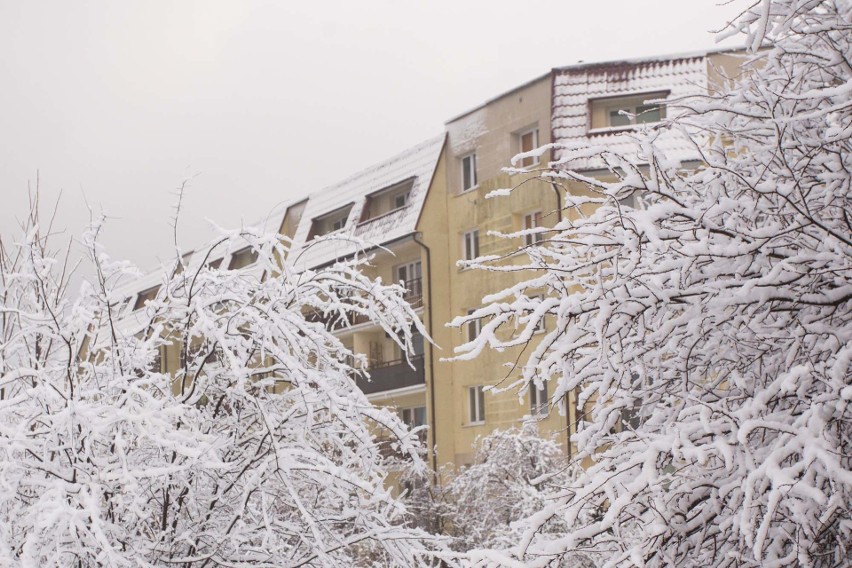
(257,451)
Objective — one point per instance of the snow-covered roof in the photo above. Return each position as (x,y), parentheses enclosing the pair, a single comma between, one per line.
(416,164)
(575,86)
(127,293)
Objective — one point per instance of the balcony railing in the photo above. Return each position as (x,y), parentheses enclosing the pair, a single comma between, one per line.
(393,375)
(414,292)
(413,295)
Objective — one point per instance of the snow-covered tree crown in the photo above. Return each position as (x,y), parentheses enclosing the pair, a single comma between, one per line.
(707,330)
(255,449)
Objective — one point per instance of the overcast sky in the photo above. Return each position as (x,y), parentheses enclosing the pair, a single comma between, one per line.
(116,103)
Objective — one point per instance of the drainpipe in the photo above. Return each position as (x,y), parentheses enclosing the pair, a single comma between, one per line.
(431,355)
(567,398)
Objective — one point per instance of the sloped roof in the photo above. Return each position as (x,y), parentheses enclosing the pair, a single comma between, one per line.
(126,293)
(417,163)
(574,87)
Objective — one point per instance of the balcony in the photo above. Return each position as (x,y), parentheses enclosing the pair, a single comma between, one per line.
(393,375)
(413,295)
(414,292)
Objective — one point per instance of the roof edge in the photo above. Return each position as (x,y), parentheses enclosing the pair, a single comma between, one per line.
(498,97)
(650,59)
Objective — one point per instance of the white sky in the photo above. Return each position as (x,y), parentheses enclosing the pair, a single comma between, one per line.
(116,103)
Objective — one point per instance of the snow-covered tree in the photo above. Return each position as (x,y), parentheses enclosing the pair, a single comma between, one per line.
(707,332)
(257,450)
(513,474)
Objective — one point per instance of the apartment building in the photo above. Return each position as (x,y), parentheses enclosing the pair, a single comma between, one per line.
(426,209)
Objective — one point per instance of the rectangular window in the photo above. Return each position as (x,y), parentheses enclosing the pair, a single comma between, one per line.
(410,274)
(387,200)
(539,325)
(400,201)
(242,258)
(527,142)
(627,111)
(476,404)
(539,403)
(468,164)
(413,417)
(145,296)
(473,327)
(329,223)
(470,244)
(532,221)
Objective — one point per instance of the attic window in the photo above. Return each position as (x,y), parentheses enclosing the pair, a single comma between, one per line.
(387,200)
(214,264)
(626,112)
(145,296)
(242,258)
(329,223)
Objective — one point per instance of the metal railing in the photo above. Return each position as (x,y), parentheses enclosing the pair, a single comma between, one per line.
(393,375)
(413,295)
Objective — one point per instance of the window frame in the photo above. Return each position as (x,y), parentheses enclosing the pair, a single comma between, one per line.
(539,407)
(535,217)
(475,181)
(238,255)
(476,405)
(619,102)
(474,327)
(337,220)
(409,413)
(531,160)
(541,326)
(467,253)
(147,295)
(387,196)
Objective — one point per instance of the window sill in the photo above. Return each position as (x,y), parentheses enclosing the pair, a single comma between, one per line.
(617,129)
(473,424)
(468,190)
(382,216)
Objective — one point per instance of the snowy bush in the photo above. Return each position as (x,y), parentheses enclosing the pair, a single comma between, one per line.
(257,451)
(707,333)
(513,474)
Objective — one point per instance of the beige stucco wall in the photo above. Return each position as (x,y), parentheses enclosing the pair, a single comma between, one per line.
(492,132)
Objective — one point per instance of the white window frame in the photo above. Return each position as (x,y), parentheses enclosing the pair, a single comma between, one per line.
(411,267)
(634,114)
(476,404)
(474,183)
(474,327)
(405,195)
(539,401)
(470,244)
(533,160)
(529,221)
(408,414)
(629,103)
(540,325)
(338,224)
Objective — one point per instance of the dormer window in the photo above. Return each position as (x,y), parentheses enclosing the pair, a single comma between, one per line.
(400,200)
(242,258)
(145,296)
(387,200)
(329,223)
(625,112)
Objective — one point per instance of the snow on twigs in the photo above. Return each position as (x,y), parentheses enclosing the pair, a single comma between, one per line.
(703,318)
(217,423)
